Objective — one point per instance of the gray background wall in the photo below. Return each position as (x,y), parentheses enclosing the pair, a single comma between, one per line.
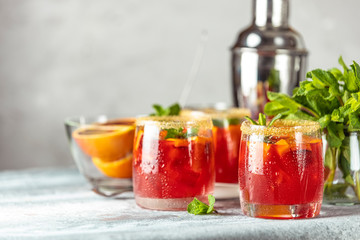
(68,57)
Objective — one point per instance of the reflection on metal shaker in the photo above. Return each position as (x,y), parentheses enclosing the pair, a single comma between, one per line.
(267,56)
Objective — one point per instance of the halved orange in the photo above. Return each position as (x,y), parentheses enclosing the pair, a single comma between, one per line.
(121,168)
(108,142)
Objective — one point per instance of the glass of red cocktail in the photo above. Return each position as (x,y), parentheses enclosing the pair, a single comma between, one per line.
(281,169)
(227,135)
(173,161)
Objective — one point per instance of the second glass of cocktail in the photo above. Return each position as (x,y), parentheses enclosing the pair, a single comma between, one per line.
(173,161)
(227,135)
(281,169)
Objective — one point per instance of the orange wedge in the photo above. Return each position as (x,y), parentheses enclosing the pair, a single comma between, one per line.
(282,146)
(108,142)
(304,143)
(199,149)
(179,142)
(121,168)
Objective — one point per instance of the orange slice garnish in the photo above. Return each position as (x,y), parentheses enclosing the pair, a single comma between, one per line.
(121,168)
(138,137)
(282,146)
(179,142)
(304,143)
(108,142)
(199,149)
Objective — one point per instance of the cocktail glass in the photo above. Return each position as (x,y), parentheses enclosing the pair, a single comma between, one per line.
(227,135)
(281,169)
(173,161)
(102,149)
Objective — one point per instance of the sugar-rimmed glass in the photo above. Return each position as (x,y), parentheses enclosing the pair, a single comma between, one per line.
(227,135)
(281,169)
(173,161)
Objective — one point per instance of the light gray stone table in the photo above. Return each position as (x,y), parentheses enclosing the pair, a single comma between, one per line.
(57,204)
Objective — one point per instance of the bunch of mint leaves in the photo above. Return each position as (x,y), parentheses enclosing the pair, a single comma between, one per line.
(331,97)
(197,207)
(174,110)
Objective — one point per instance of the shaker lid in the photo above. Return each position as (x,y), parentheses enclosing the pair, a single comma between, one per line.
(273,39)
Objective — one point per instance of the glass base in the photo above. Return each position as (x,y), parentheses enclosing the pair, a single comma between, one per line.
(307,210)
(226,190)
(167,204)
(110,187)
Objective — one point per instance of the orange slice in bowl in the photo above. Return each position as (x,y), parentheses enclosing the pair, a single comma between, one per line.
(107,142)
(121,168)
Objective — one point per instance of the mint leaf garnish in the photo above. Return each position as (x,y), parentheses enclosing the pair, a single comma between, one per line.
(251,120)
(181,133)
(279,116)
(262,120)
(221,123)
(175,133)
(211,199)
(173,110)
(197,207)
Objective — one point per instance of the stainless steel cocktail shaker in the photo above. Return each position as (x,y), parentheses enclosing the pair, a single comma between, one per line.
(267,56)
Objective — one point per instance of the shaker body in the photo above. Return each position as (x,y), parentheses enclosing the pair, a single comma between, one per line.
(269,55)
(255,72)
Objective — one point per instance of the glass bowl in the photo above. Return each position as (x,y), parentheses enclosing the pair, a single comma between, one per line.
(101,147)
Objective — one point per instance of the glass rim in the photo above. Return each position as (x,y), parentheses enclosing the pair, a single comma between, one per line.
(96,120)
(214,113)
(281,127)
(175,121)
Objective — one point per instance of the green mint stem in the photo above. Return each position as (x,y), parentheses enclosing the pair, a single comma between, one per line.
(340,100)
(357,184)
(251,120)
(262,119)
(274,119)
(334,155)
(309,111)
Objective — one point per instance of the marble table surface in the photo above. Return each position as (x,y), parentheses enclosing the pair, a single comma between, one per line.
(58,204)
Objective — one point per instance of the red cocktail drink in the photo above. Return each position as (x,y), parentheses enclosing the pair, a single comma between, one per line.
(227,135)
(281,169)
(173,162)
(226,144)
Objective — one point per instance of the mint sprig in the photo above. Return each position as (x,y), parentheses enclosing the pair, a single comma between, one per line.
(262,120)
(181,133)
(221,123)
(197,207)
(172,110)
